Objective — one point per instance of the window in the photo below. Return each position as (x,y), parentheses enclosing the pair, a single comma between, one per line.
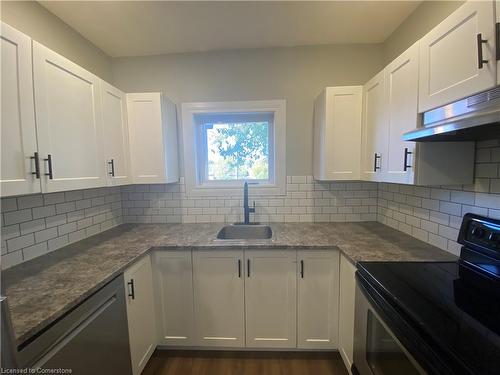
(226,144)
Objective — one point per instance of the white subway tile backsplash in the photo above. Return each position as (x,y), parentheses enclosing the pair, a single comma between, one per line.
(32,225)
(442,208)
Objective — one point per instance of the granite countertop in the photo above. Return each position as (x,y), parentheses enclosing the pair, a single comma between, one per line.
(43,289)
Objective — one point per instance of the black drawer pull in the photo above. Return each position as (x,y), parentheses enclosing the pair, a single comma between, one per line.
(248,267)
(36,158)
(302,269)
(49,161)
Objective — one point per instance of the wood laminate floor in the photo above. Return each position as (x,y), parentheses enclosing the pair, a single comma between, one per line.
(165,362)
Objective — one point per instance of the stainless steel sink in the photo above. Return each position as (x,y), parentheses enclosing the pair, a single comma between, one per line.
(245,232)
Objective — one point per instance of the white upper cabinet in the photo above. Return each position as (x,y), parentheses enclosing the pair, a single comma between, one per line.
(18,133)
(337,133)
(374,129)
(69,123)
(153,138)
(138,281)
(318,299)
(219,297)
(401,86)
(270,298)
(115,133)
(457,57)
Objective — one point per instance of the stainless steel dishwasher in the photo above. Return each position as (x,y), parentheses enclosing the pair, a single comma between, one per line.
(92,338)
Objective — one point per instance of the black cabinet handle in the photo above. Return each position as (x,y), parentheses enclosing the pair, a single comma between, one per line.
(36,158)
(302,269)
(405,163)
(480,59)
(131,293)
(49,161)
(239,268)
(248,267)
(375,164)
(112,164)
(497,40)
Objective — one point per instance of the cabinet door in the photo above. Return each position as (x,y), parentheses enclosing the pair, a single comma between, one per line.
(115,133)
(374,130)
(401,82)
(497,46)
(174,290)
(146,137)
(219,298)
(318,297)
(140,313)
(270,298)
(18,132)
(346,310)
(69,122)
(337,133)
(449,56)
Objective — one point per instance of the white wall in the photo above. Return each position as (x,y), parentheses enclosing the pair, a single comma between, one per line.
(38,23)
(296,74)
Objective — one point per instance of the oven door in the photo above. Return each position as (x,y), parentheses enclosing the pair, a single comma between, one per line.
(377,351)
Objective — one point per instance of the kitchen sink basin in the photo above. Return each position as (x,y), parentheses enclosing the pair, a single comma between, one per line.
(245,232)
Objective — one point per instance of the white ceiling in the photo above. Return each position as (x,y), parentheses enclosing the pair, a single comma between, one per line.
(137,28)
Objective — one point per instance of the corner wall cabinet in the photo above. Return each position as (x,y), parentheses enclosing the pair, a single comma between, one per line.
(19,151)
(69,122)
(138,280)
(337,133)
(318,299)
(57,120)
(457,57)
(435,163)
(115,134)
(390,110)
(153,138)
(374,129)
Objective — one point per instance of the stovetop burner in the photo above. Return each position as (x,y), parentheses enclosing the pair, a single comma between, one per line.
(455,306)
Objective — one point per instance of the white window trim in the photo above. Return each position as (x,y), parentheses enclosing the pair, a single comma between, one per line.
(189,110)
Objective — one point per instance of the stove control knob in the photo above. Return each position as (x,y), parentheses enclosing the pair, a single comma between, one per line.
(477,232)
(495,238)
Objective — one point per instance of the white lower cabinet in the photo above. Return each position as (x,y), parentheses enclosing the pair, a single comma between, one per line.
(140,313)
(174,293)
(233,298)
(346,310)
(318,299)
(270,298)
(219,298)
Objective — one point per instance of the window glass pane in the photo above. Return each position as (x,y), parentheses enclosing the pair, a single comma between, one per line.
(383,353)
(237,150)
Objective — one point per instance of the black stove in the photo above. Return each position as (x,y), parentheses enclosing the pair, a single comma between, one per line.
(447,313)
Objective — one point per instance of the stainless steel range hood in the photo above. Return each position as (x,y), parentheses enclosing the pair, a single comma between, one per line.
(471,119)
